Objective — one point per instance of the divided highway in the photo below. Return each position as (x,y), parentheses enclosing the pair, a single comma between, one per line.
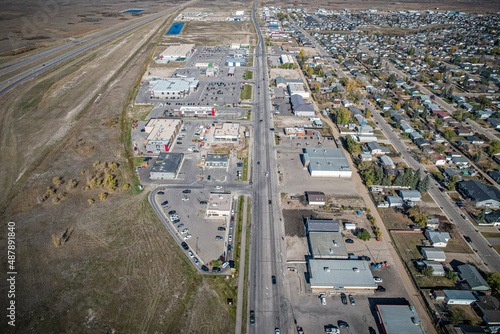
(266,259)
(8,84)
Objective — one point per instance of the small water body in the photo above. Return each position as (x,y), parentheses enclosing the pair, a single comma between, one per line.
(134,10)
(175,29)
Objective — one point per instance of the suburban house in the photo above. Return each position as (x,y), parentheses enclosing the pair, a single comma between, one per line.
(489,309)
(376,149)
(394,201)
(460,297)
(433,254)
(483,195)
(473,278)
(410,195)
(437,238)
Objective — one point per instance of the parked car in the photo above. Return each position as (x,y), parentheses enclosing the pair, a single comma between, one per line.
(204,268)
(344,298)
(228,248)
(377,280)
(323,299)
(190,254)
(195,260)
(252,317)
(342,324)
(224,265)
(203,202)
(187,191)
(172,212)
(184,231)
(219,238)
(351,299)
(230,237)
(380,288)
(220,228)
(164,203)
(185,246)
(185,199)
(349,241)
(187,236)
(161,193)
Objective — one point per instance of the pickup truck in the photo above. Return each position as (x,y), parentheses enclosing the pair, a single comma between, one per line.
(252,317)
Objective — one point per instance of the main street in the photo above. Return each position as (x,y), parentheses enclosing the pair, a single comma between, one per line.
(266,259)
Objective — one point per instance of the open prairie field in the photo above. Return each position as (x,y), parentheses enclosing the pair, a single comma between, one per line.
(91,255)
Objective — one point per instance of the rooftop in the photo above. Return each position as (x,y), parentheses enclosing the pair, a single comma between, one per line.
(167,163)
(227,130)
(396,319)
(177,51)
(220,201)
(161,129)
(322,225)
(327,245)
(331,159)
(341,274)
(172,84)
(471,275)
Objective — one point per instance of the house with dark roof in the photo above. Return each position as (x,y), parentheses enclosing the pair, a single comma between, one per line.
(483,195)
(473,278)
(488,307)
(300,108)
(495,175)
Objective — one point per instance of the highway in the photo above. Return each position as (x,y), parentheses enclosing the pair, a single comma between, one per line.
(8,84)
(266,299)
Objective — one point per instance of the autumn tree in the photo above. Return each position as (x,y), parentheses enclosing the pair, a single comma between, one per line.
(343,116)
(418,214)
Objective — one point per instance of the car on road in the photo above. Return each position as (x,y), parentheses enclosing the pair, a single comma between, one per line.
(190,254)
(219,238)
(469,240)
(187,191)
(351,299)
(230,237)
(258,162)
(323,299)
(185,199)
(184,231)
(187,236)
(228,248)
(349,241)
(180,225)
(185,246)
(161,193)
(220,228)
(203,202)
(267,174)
(218,187)
(342,324)
(252,317)
(380,288)
(344,298)
(164,203)
(273,280)
(276,331)
(230,225)
(270,202)
(377,280)
(172,212)
(463,216)
(195,260)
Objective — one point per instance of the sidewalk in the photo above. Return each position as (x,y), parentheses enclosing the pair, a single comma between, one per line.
(241,273)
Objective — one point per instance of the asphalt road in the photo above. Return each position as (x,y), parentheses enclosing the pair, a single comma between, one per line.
(488,255)
(268,300)
(8,84)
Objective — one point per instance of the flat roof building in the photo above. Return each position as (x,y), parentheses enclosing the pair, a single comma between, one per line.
(217,161)
(334,275)
(219,205)
(177,52)
(227,132)
(161,133)
(172,88)
(326,162)
(322,225)
(327,245)
(167,166)
(398,319)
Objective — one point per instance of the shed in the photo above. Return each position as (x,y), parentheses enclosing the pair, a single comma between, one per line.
(316,197)
(410,195)
(437,268)
(433,254)
(349,226)
(394,201)
(459,297)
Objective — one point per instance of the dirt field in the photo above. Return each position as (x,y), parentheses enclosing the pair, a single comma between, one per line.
(117,269)
(287,74)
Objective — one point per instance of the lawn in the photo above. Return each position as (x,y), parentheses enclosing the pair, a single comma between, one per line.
(497,248)
(408,241)
(457,245)
(248,75)
(454,196)
(490,235)
(394,219)
(426,197)
(245,169)
(237,233)
(246,93)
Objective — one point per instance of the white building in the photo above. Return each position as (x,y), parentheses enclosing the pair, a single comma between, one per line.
(229,132)
(326,162)
(161,134)
(177,52)
(172,88)
(219,205)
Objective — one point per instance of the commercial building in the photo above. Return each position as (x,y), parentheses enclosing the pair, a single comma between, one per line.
(161,133)
(398,319)
(322,225)
(298,89)
(340,275)
(286,59)
(300,108)
(172,88)
(473,278)
(219,205)
(229,132)
(177,52)
(197,111)
(295,132)
(217,161)
(327,245)
(167,166)
(235,62)
(326,162)
(315,197)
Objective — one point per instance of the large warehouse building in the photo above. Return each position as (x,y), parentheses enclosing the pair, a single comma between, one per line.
(167,166)
(177,52)
(161,134)
(326,162)
(334,275)
(172,88)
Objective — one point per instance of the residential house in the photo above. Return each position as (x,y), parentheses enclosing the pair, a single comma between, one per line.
(387,162)
(410,195)
(437,238)
(473,278)
(433,254)
(437,267)
(376,149)
(394,201)
(488,307)
(483,195)
(459,297)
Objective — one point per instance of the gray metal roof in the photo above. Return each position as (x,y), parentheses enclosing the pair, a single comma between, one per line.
(396,319)
(330,159)
(471,275)
(322,225)
(410,194)
(167,163)
(217,158)
(341,274)
(459,294)
(479,191)
(432,252)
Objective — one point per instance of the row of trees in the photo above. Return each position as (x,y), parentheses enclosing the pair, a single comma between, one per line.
(409,178)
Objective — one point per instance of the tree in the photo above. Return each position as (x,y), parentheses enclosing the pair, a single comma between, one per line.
(449,133)
(407,177)
(418,215)
(451,275)
(398,181)
(368,176)
(368,113)
(309,71)
(386,181)
(452,182)
(494,147)
(302,54)
(465,82)
(126,186)
(56,180)
(428,271)
(415,178)
(439,122)
(379,176)
(103,196)
(316,87)
(483,101)
(365,235)
(423,185)
(481,216)
(343,116)
(493,279)
(440,149)
(351,144)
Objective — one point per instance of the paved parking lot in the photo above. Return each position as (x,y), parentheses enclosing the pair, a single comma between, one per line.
(291,166)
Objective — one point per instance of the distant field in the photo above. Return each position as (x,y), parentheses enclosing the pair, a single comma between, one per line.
(490,235)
